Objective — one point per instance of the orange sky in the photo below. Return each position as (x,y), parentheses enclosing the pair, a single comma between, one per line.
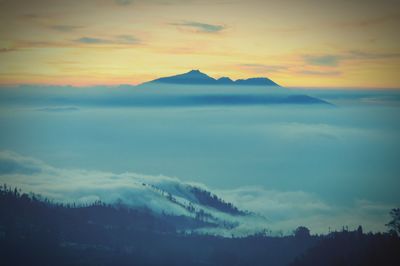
(294,42)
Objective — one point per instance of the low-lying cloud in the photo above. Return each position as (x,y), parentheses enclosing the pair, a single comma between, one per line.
(279,211)
(58,109)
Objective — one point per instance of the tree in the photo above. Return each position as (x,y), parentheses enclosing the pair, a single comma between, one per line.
(394,224)
(360,230)
(302,232)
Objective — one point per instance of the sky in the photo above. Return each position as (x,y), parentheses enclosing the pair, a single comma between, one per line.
(296,43)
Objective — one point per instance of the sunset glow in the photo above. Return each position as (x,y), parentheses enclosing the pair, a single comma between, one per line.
(295,43)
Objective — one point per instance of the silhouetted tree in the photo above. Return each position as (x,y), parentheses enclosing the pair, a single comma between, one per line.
(394,224)
(302,232)
(352,248)
(360,230)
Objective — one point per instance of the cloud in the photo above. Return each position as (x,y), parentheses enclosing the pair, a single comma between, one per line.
(127,39)
(273,209)
(123,2)
(12,163)
(320,73)
(370,21)
(322,60)
(30,16)
(200,27)
(313,131)
(333,60)
(83,186)
(58,109)
(261,68)
(363,55)
(326,63)
(65,28)
(6,50)
(119,40)
(288,209)
(275,203)
(75,185)
(286,29)
(90,40)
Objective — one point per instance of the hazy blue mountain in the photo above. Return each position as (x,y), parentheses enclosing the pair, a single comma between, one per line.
(225,81)
(191,77)
(196,77)
(193,88)
(255,82)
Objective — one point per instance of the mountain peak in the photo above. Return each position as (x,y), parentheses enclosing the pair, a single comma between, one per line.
(225,80)
(194,71)
(191,77)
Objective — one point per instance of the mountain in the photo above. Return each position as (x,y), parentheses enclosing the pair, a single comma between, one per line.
(191,77)
(225,81)
(255,82)
(195,89)
(207,91)
(196,77)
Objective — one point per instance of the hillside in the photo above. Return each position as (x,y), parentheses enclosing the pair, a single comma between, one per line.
(35,231)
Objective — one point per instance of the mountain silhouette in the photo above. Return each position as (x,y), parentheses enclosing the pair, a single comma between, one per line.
(255,82)
(191,77)
(225,81)
(196,77)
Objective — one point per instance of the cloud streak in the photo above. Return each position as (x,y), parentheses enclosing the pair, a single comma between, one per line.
(334,60)
(320,73)
(58,109)
(322,60)
(200,27)
(65,28)
(373,21)
(123,2)
(263,68)
(120,39)
(91,40)
(7,50)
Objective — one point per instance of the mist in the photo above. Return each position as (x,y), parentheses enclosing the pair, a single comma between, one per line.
(324,165)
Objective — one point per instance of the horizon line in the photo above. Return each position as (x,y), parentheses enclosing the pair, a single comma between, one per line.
(312,87)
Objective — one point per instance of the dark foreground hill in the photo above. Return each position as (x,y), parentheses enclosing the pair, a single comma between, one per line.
(34,231)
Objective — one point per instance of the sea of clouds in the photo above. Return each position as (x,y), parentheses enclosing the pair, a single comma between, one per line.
(322,166)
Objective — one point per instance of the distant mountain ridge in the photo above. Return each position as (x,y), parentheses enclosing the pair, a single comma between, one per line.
(196,77)
(190,89)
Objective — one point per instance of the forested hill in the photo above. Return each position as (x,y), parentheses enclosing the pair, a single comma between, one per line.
(35,231)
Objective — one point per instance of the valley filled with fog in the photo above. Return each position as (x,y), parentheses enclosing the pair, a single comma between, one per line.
(322,164)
